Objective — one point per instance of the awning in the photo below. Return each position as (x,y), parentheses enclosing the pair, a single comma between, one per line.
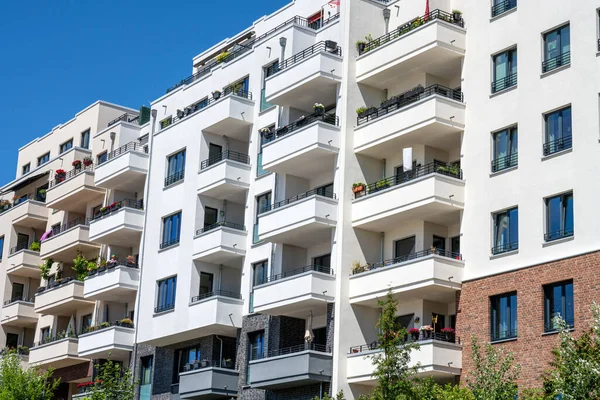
(22,182)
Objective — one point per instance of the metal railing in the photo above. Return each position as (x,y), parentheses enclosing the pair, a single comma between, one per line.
(563,233)
(408,257)
(56,337)
(125,118)
(56,284)
(503,335)
(131,146)
(326,46)
(503,7)
(556,62)
(202,104)
(504,83)
(409,338)
(331,119)
(499,164)
(112,265)
(19,247)
(224,293)
(447,169)
(114,207)
(200,364)
(170,242)
(318,192)
(321,348)
(174,178)
(552,326)
(225,155)
(557,145)
(69,225)
(164,307)
(410,26)
(297,271)
(106,325)
(60,178)
(406,98)
(505,248)
(220,224)
(18,298)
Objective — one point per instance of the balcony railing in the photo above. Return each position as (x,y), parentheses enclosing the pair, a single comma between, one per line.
(502,7)
(131,146)
(319,192)
(505,248)
(225,224)
(557,145)
(331,119)
(18,298)
(555,235)
(327,46)
(224,293)
(174,178)
(499,164)
(112,265)
(106,325)
(297,271)
(56,284)
(164,307)
(200,364)
(504,83)
(6,205)
(225,155)
(556,62)
(321,348)
(169,242)
(57,336)
(553,326)
(422,336)
(69,225)
(22,246)
(406,98)
(410,26)
(60,178)
(504,335)
(420,171)
(408,257)
(126,118)
(116,206)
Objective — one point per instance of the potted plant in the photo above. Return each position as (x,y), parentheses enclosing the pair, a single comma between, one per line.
(221,57)
(112,262)
(301,121)
(130,260)
(76,164)
(358,187)
(434,250)
(216,94)
(104,325)
(330,45)
(357,268)
(414,333)
(179,114)
(390,102)
(126,322)
(4,205)
(417,22)
(381,184)
(45,268)
(457,15)
(360,46)
(426,329)
(87,161)
(80,266)
(60,175)
(319,109)
(361,111)
(35,246)
(449,333)
(227,363)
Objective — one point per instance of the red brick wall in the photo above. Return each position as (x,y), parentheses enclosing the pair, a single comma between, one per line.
(532,349)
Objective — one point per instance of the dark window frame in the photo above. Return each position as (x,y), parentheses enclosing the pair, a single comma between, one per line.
(65,146)
(566,214)
(43,159)
(567,288)
(498,315)
(511,244)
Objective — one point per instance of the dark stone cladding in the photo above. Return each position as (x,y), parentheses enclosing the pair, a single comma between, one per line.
(301,392)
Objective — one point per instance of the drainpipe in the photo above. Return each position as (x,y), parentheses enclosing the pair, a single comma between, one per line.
(224,210)
(381,240)
(226,143)
(386,18)
(282,43)
(113,135)
(383,169)
(220,275)
(220,351)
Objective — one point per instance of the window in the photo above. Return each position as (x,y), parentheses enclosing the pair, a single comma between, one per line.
(557,48)
(210,217)
(559,217)
(240,87)
(65,146)
(26,168)
(256,345)
(86,322)
(268,70)
(259,273)
(506,231)
(175,168)
(171,230)
(558,131)
(263,204)
(43,159)
(166,294)
(506,145)
(185,358)
(166,122)
(404,248)
(505,70)
(323,263)
(206,283)
(45,334)
(439,243)
(438,321)
(325,190)
(264,138)
(558,302)
(455,245)
(502,6)
(85,139)
(12,340)
(17,292)
(102,157)
(503,317)
(22,241)
(315,21)
(146,377)
(215,154)
(1,246)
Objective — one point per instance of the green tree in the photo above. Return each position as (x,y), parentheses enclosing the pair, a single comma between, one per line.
(339,396)
(428,389)
(113,383)
(17,383)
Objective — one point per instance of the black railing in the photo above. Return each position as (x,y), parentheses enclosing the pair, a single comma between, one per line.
(297,271)
(503,7)
(300,123)
(505,248)
(499,164)
(318,192)
(164,307)
(563,233)
(220,224)
(131,146)
(116,206)
(407,257)
(19,247)
(556,62)
(57,337)
(504,83)
(451,170)
(557,145)
(321,348)
(200,364)
(125,118)
(202,104)
(553,327)
(323,46)
(503,335)
(225,155)
(56,284)
(406,98)
(598,44)
(106,325)
(410,26)
(224,293)
(418,337)
(18,298)
(174,178)
(112,265)
(170,242)
(69,225)
(60,178)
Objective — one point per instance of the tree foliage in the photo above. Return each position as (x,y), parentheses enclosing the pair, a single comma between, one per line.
(20,384)
(114,383)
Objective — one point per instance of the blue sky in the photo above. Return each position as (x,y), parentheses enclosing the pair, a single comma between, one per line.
(59,56)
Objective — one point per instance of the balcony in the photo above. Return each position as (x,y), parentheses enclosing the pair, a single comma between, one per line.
(433,44)
(304,364)
(63,297)
(291,292)
(24,262)
(439,357)
(432,274)
(114,342)
(305,148)
(212,380)
(432,192)
(225,176)
(19,312)
(56,352)
(112,282)
(221,243)
(553,63)
(29,212)
(303,220)
(73,190)
(309,76)
(66,241)
(120,224)
(432,116)
(125,168)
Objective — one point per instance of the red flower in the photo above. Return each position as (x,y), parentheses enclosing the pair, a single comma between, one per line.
(60,172)
(413,330)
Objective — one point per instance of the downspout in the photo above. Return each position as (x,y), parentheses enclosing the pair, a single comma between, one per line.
(383,169)
(381,240)
(220,351)
(226,143)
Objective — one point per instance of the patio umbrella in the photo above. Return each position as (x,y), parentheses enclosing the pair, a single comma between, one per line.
(46,235)
(309,336)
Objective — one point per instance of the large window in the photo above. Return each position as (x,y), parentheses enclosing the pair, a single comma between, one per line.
(323,262)
(506,231)
(18,289)
(557,48)
(102,157)
(503,318)
(86,322)
(267,71)
(43,159)
(558,131)
(206,283)
(12,340)
(171,230)
(259,273)
(146,377)
(558,302)
(66,146)
(210,216)
(559,217)
(263,204)
(264,135)
(185,359)
(505,70)
(166,294)
(506,145)
(256,349)
(175,168)
(26,169)
(404,248)
(85,139)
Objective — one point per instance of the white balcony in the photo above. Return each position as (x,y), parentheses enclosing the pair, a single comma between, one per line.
(64,299)
(432,275)
(30,214)
(303,221)
(117,284)
(305,151)
(57,354)
(122,227)
(208,383)
(223,243)
(225,177)
(63,245)
(115,342)
(306,78)
(75,192)
(294,292)
(231,115)
(429,196)
(20,314)
(24,263)
(125,169)
(436,47)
